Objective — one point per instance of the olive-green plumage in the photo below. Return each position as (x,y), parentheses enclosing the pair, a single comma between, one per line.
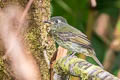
(71,38)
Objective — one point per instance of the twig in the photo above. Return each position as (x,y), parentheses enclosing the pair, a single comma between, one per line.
(25,11)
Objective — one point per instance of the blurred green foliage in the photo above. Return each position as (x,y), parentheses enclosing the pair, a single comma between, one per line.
(76,12)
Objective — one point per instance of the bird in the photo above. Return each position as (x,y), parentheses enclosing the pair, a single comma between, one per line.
(71,38)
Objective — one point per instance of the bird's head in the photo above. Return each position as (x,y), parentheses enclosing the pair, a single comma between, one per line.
(56,22)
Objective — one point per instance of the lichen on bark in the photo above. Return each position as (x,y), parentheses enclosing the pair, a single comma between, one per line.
(72,65)
(37,36)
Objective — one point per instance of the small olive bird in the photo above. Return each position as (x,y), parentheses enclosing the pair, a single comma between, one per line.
(71,38)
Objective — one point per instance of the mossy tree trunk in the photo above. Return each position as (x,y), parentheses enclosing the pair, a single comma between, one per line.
(39,41)
(38,37)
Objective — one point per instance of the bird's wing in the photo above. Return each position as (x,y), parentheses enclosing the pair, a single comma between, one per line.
(68,33)
(82,42)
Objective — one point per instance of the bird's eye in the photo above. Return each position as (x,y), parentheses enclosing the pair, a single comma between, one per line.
(57,21)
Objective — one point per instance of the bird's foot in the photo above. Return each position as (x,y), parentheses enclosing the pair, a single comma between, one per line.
(73,53)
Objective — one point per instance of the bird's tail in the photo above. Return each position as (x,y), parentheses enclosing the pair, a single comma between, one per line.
(96,59)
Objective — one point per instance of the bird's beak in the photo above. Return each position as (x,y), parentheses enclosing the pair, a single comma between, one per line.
(49,22)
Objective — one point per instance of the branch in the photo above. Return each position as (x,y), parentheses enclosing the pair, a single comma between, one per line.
(71,65)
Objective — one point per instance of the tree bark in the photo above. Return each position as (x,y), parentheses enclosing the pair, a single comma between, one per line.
(40,43)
